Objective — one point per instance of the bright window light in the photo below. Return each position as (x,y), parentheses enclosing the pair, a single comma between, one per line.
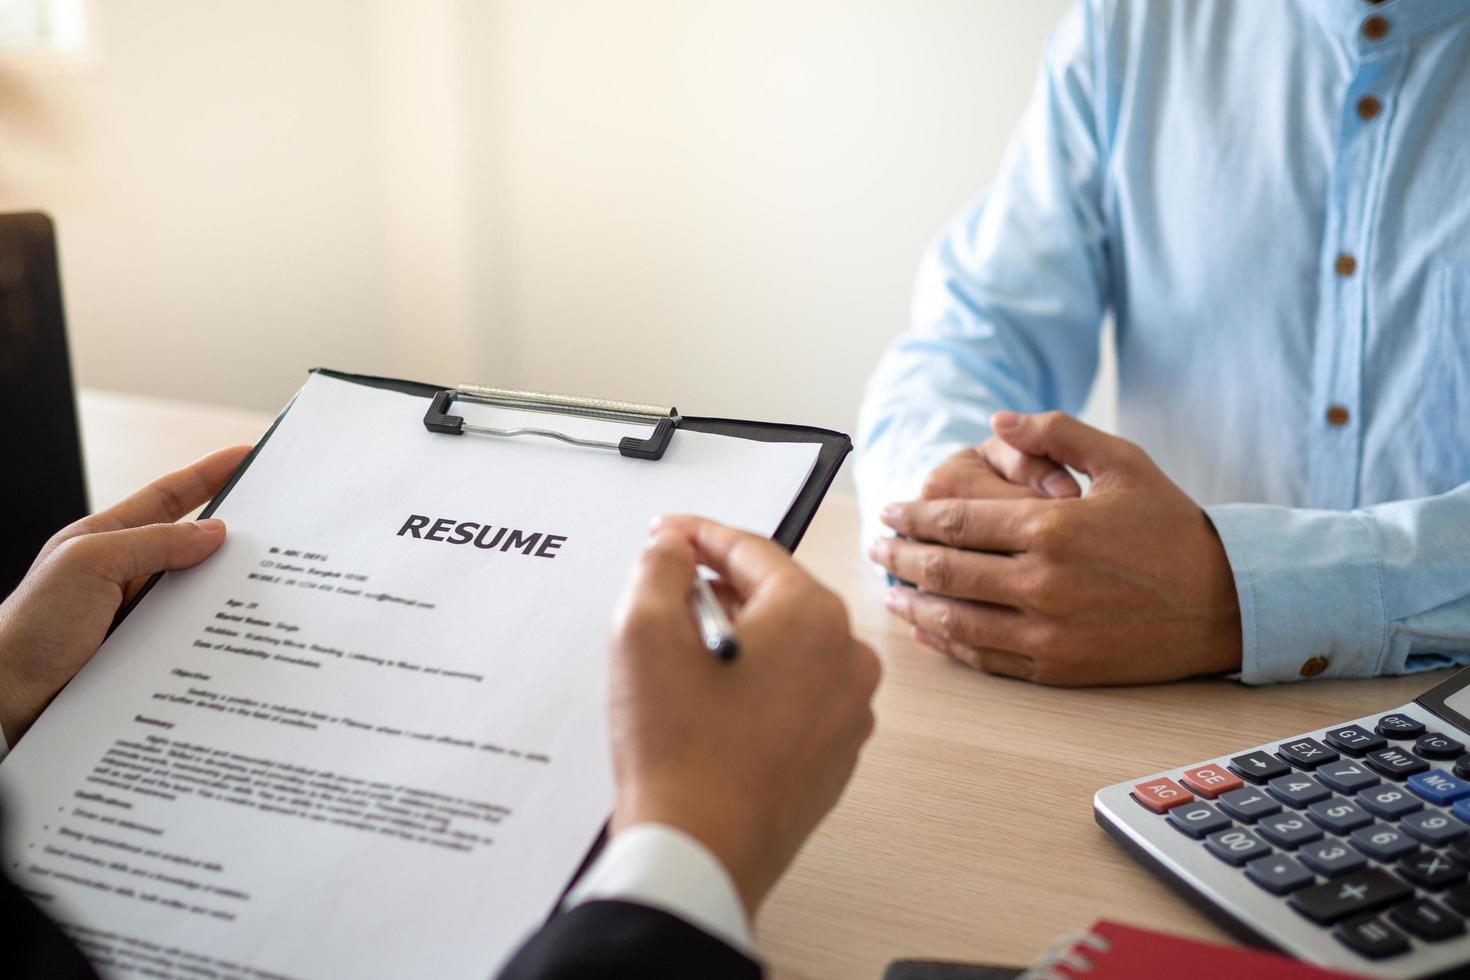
(58,25)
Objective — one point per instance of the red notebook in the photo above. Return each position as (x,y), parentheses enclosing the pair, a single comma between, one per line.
(1112,949)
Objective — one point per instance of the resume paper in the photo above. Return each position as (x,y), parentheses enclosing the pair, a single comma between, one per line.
(368,737)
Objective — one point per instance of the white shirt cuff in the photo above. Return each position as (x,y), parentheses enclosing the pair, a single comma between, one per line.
(664,868)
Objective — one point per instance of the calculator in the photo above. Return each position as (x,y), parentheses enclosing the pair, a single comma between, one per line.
(1347,846)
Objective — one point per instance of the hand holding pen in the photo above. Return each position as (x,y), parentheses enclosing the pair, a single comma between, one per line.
(715,629)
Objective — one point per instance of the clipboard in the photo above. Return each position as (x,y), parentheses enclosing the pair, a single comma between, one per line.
(665,423)
(834,446)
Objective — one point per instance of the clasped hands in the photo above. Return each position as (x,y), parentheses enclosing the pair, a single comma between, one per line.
(1020,573)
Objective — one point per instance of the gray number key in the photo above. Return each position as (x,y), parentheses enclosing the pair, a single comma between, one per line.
(1288,830)
(1434,828)
(1297,789)
(1339,816)
(1197,819)
(1383,842)
(1347,776)
(1331,858)
(1279,874)
(1236,846)
(1248,804)
(1389,802)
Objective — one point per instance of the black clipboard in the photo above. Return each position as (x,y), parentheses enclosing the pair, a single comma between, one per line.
(834,449)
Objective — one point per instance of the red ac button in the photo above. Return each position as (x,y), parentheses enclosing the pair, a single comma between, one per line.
(1211,781)
(1159,795)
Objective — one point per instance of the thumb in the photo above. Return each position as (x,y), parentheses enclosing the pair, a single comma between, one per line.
(1062,439)
(137,552)
(658,585)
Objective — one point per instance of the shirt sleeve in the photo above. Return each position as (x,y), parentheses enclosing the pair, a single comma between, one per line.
(665,868)
(1380,590)
(1010,299)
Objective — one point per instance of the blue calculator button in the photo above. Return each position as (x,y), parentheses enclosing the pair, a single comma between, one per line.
(1438,787)
(1461,809)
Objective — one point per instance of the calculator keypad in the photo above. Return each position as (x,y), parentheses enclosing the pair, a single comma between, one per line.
(1197,819)
(1438,787)
(1331,858)
(1427,920)
(1372,937)
(1354,740)
(1389,802)
(1428,869)
(1383,842)
(1399,726)
(1248,804)
(1236,846)
(1279,874)
(1433,745)
(1288,831)
(1210,781)
(1258,767)
(1361,891)
(1306,753)
(1339,816)
(1433,827)
(1364,830)
(1395,763)
(1297,789)
(1347,776)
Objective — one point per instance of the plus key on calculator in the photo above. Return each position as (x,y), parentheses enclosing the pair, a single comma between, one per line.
(1347,846)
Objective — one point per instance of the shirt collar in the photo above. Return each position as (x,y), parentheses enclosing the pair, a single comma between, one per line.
(1405,19)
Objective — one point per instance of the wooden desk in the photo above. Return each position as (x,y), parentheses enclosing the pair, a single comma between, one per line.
(967,832)
(128,440)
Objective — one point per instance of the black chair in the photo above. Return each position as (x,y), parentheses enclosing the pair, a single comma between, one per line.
(42,487)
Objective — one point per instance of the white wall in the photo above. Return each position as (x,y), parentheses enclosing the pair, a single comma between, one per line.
(719,205)
(249,190)
(722,205)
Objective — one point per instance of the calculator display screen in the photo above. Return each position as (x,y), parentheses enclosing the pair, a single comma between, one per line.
(1451,700)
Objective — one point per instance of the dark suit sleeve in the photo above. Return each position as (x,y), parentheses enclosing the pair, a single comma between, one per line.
(35,949)
(618,940)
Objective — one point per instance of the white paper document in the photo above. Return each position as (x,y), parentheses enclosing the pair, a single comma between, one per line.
(367,738)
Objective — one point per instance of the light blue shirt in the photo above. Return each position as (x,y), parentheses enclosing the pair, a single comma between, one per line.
(1271,198)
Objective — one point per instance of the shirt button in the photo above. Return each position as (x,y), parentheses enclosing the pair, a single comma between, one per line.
(1375,28)
(1345,265)
(1368,107)
(1314,666)
(1337,416)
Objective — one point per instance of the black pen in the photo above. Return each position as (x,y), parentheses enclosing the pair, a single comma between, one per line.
(715,628)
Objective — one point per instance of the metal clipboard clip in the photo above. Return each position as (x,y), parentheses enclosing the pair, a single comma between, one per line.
(663,419)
